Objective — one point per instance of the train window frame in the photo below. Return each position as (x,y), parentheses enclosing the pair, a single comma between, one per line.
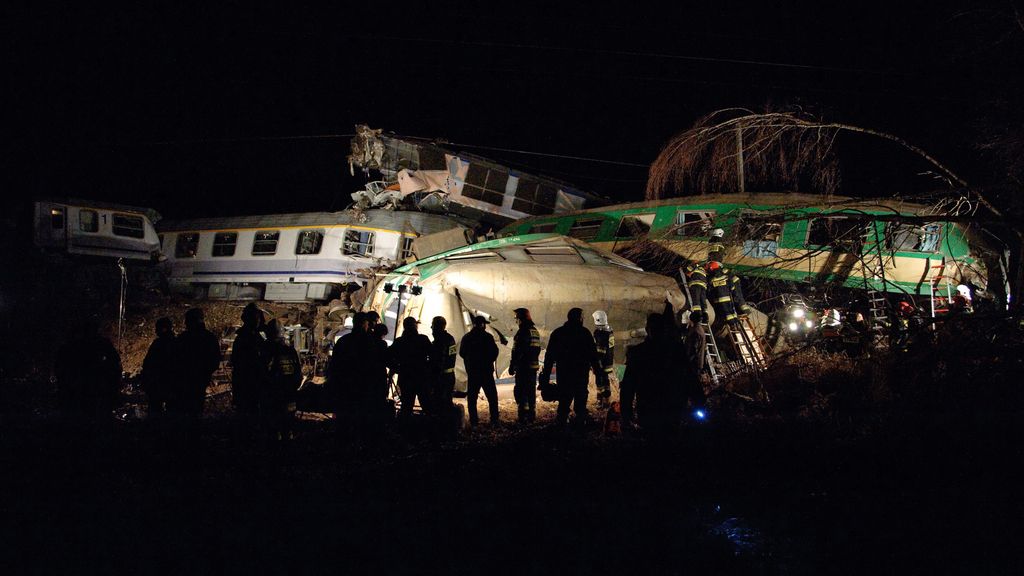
(222,248)
(128,225)
(581,228)
(704,224)
(186,245)
(92,226)
(927,242)
(57,218)
(837,242)
(554,255)
(543,228)
(636,220)
(405,248)
(309,250)
(358,246)
(270,238)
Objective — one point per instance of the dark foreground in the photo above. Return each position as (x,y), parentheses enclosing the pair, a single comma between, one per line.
(919,494)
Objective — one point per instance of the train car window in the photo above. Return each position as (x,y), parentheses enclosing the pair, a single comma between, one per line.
(633,225)
(57,218)
(555,255)
(694,224)
(543,228)
(186,245)
(406,249)
(485,185)
(902,237)
(88,221)
(130,226)
(309,241)
(265,242)
(358,243)
(224,243)
(844,234)
(535,198)
(586,228)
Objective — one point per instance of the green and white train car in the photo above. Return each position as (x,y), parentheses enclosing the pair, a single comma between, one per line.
(884,245)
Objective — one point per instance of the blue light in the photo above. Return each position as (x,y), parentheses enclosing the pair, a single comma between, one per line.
(699,414)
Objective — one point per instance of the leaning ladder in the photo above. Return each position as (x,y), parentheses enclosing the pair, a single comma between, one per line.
(876,297)
(933,284)
(712,357)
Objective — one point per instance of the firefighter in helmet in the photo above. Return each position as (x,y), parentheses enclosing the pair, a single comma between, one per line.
(525,364)
(716,249)
(604,336)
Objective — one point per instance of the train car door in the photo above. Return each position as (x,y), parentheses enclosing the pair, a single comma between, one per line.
(51,228)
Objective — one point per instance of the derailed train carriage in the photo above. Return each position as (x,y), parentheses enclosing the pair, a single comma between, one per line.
(887,246)
(91,228)
(304,257)
(547,273)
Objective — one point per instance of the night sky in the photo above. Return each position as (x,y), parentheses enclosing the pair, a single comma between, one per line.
(173,108)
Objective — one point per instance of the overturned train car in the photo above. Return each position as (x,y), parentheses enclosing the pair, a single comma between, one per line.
(546,273)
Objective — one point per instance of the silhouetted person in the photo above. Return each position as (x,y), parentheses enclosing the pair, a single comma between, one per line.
(347,385)
(198,357)
(410,359)
(284,375)
(158,369)
(443,354)
(573,351)
(659,378)
(248,366)
(479,352)
(88,371)
(524,365)
(696,340)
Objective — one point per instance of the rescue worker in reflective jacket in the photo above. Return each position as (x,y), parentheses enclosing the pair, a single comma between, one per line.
(443,353)
(479,352)
(524,365)
(284,375)
(659,378)
(716,249)
(158,368)
(248,365)
(409,357)
(573,351)
(736,292)
(697,281)
(604,337)
(720,293)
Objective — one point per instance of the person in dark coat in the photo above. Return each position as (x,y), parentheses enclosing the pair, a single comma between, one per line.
(659,378)
(198,357)
(158,369)
(248,364)
(443,353)
(573,351)
(346,384)
(88,372)
(409,357)
(284,375)
(524,365)
(479,352)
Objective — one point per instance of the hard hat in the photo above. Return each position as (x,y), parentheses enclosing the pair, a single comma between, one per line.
(600,318)
(717,233)
(522,313)
(964,291)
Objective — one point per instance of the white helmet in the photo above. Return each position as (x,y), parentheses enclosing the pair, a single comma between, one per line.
(717,233)
(964,291)
(600,318)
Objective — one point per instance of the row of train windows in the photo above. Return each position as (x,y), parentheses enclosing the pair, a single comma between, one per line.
(846,232)
(89,221)
(309,242)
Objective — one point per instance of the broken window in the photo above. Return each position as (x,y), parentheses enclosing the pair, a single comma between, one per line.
(358,243)
(485,185)
(760,237)
(224,243)
(309,242)
(554,255)
(902,237)
(265,242)
(586,228)
(534,197)
(88,221)
(186,245)
(694,224)
(634,225)
(130,226)
(845,234)
(544,228)
(405,251)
